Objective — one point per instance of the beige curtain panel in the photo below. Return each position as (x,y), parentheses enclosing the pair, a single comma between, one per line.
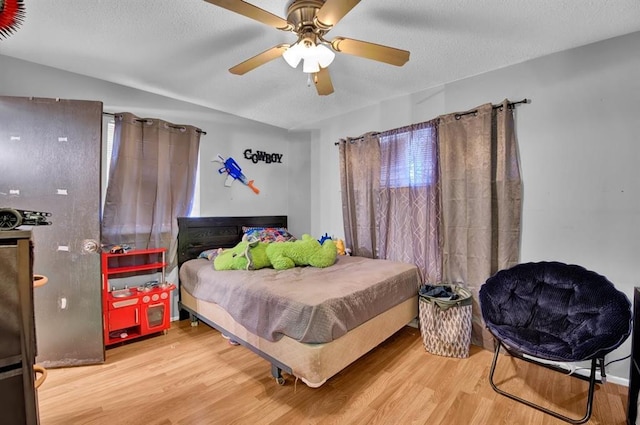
(481,200)
(151,183)
(360,181)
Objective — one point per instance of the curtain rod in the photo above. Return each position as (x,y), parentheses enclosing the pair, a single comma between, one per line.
(172,126)
(352,139)
(510,105)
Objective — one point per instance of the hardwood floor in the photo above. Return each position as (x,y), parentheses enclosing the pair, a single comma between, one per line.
(192,376)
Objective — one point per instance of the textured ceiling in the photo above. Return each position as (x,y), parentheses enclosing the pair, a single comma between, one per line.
(184,48)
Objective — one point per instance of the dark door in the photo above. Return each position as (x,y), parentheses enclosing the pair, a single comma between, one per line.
(50,161)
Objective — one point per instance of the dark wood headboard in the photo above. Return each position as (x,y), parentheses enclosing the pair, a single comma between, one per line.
(196,234)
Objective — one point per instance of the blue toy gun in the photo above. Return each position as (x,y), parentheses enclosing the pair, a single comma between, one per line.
(234,172)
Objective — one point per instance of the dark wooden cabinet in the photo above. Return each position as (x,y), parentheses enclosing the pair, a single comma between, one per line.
(18,399)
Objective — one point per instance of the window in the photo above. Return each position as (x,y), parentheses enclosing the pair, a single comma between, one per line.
(108,127)
(408,158)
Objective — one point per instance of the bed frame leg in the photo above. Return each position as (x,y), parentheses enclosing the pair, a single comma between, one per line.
(276,372)
(194,320)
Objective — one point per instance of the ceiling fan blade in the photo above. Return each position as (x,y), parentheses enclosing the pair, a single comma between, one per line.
(253,12)
(368,50)
(324,86)
(332,11)
(259,59)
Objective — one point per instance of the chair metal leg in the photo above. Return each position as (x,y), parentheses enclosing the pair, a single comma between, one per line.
(592,384)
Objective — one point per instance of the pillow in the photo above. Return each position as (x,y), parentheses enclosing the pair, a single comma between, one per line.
(268,234)
(209,254)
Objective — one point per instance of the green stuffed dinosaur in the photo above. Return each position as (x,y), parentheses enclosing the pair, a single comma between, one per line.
(303,252)
(244,256)
(254,255)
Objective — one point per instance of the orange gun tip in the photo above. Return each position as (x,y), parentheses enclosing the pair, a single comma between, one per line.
(255,189)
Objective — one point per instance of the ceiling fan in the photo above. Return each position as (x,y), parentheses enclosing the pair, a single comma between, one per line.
(310,20)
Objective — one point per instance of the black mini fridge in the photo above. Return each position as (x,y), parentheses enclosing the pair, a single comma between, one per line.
(18,398)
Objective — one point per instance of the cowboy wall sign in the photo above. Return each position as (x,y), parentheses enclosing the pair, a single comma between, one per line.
(269,158)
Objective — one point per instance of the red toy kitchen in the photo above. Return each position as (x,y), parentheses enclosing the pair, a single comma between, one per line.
(137,311)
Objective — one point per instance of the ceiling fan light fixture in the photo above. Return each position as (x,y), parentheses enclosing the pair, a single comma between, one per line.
(293,55)
(325,55)
(314,56)
(310,65)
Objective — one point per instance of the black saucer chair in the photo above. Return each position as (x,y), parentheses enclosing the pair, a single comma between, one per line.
(554,312)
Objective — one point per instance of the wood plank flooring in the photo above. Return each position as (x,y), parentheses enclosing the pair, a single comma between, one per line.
(192,376)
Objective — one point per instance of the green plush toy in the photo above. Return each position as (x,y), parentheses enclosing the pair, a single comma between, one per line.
(244,256)
(303,252)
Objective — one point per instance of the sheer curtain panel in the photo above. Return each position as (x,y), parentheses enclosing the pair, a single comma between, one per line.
(408,206)
(390,196)
(151,183)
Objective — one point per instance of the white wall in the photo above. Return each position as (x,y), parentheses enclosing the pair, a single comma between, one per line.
(579,152)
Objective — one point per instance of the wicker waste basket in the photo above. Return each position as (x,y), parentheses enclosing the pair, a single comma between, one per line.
(445,320)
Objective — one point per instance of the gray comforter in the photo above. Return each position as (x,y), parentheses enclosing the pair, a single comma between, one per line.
(307,304)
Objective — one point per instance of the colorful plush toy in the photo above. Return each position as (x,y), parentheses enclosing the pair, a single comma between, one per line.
(244,256)
(303,252)
(254,255)
(340,247)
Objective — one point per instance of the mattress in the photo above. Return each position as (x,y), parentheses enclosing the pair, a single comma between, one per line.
(306,304)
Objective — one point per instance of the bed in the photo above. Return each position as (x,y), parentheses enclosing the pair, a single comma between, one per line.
(310,323)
